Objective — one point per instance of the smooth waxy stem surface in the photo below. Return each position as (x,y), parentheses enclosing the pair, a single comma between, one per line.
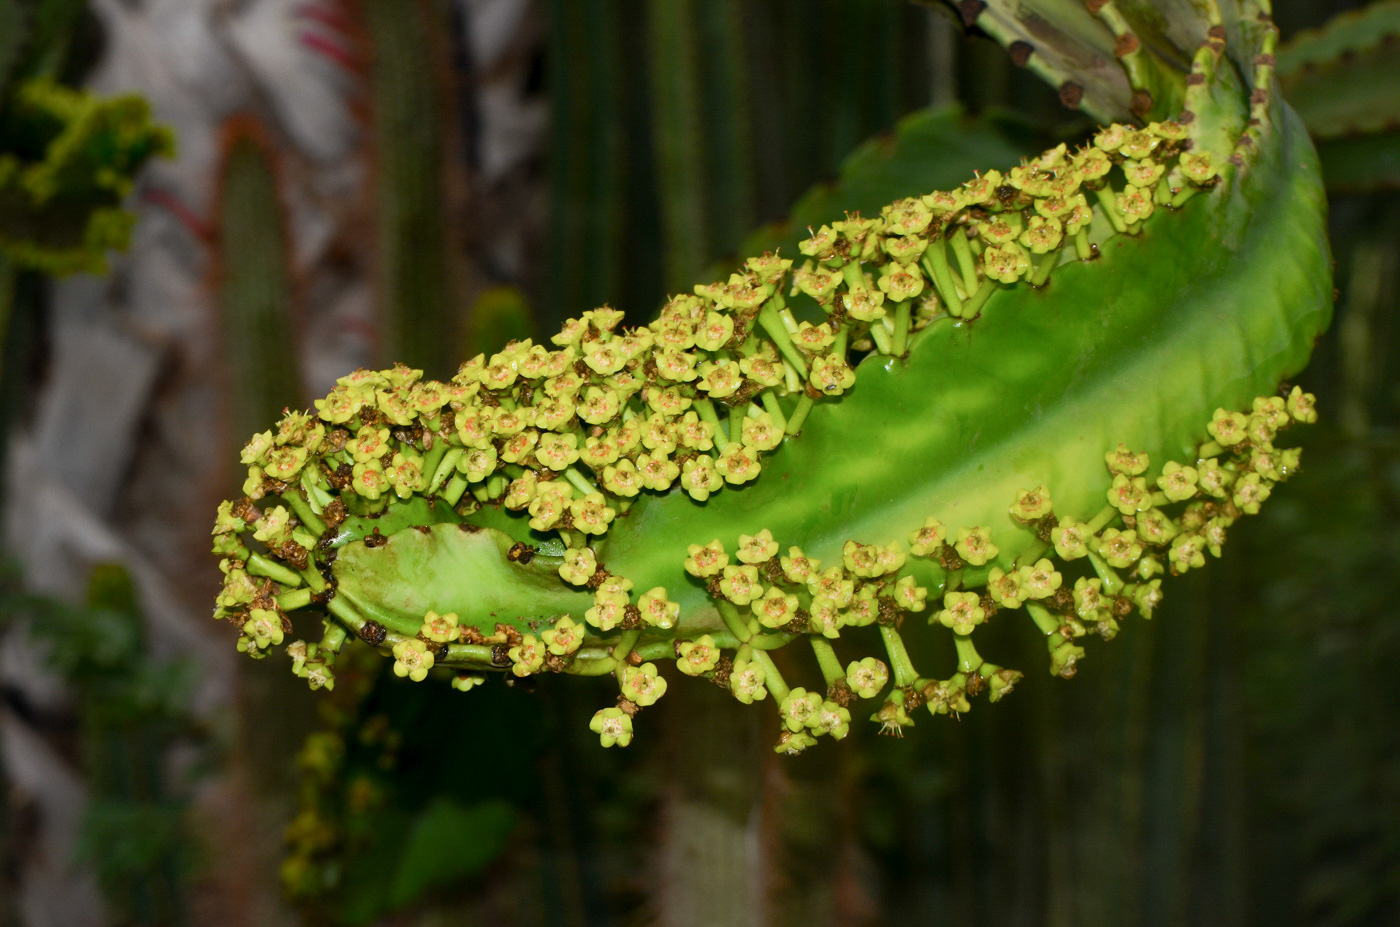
(1037,394)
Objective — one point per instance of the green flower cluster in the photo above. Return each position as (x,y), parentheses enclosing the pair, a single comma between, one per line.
(565,437)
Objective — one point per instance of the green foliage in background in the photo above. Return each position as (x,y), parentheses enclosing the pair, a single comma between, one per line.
(67,158)
(131,708)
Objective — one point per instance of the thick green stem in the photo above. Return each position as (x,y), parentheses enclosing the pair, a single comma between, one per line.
(706,408)
(974,305)
(1112,582)
(1047,622)
(969,660)
(903,667)
(297,598)
(967,265)
(262,566)
(799,415)
(827,660)
(769,319)
(772,679)
(303,511)
(936,263)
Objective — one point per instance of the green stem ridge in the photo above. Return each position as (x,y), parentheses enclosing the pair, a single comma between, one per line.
(623,514)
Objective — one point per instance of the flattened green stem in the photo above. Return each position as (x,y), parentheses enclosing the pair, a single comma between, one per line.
(706,408)
(967,265)
(772,679)
(799,415)
(297,598)
(303,511)
(936,263)
(827,660)
(261,566)
(1042,618)
(969,660)
(903,667)
(1112,582)
(974,305)
(773,324)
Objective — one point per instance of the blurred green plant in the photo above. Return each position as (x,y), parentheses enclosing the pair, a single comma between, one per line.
(131,710)
(253,279)
(408,98)
(1342,79)
(67,157)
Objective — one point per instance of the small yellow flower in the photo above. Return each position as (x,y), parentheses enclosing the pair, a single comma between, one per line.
(579,565)
(867,677)
(929,539)
(527,657)
(1119,548)
(746,682)
(975,545)
(962,611)
(798,567)
(413,659)
(756,548)
(1041,580)
(1005,588)
(613,727)
(1129,496)
(609,608)
(592,514)
(1031,505)
(564,638)
(440,628)
(657,610)
(698,656)
(706,560)
(740,584)
(775,609)
(1126,462)
(642,684)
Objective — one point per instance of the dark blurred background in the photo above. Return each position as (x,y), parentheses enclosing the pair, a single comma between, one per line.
(366,181)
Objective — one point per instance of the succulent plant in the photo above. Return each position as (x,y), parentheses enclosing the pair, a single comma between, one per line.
(1039,393)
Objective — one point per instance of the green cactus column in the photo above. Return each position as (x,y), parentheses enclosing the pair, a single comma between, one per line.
(254,282)
(407,117)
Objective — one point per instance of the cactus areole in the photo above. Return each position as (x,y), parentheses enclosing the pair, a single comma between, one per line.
(1029,399)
